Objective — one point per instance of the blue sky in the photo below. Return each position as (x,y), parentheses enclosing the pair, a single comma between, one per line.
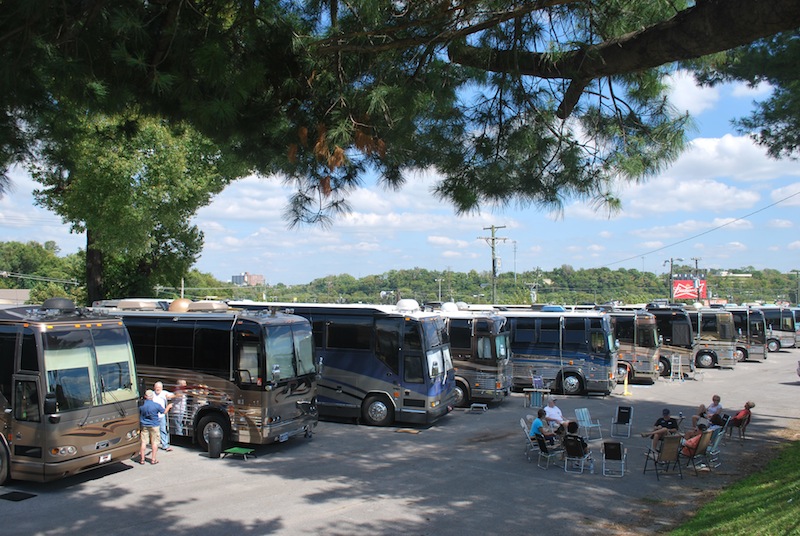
(723,202)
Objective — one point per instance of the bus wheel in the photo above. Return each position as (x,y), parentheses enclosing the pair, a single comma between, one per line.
(704,360)
(208,423)
(663,366)
(773,345)
(377,412)
(462,395)
(571,385)
(740,354)
(4,461)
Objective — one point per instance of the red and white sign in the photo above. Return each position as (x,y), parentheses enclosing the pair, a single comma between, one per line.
(687,289)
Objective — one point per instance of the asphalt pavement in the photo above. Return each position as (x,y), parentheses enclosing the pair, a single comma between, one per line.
(466,474)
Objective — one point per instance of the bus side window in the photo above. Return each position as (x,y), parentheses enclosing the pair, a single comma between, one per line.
(26,402)
(413,369)
(8,344)
(248,364)
(387,342)
(484,348)
(598,342)
(29,359)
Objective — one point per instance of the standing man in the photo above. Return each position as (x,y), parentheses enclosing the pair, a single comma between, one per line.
(149,415)
(162,398)
(178,413)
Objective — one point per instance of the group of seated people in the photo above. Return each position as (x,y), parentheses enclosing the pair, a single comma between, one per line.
(549,422)
(707,418)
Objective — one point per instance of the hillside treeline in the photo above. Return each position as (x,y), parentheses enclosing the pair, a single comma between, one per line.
(40,268)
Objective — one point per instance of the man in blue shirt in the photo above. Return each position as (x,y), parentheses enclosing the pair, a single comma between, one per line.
(149,419)
(538,427)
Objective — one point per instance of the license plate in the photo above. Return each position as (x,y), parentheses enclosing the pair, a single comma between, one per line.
(283,437)
(105,458)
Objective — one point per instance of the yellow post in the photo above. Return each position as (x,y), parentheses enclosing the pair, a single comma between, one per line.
(625,383)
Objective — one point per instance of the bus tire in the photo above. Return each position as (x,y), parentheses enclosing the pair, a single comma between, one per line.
(4,461)
(663,366)
(462,395)
(571,384)
(773,345)
(705,360)
(377,411)
(208,423)
(740,354)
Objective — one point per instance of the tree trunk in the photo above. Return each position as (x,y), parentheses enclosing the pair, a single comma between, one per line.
(94,270)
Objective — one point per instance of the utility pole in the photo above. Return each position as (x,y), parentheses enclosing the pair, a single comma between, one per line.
(492,241)
(697,276)
(671,261)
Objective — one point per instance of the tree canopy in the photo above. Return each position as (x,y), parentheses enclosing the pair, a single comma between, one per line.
(510,101)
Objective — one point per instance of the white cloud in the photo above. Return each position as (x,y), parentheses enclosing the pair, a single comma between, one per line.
(794,245)
(788,195)
(780,224)
(686,96)
(742,90)
(446,241)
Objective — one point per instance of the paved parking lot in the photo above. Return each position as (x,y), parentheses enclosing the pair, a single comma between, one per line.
(466,474)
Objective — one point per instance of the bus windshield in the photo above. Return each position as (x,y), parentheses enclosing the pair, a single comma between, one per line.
(78,377)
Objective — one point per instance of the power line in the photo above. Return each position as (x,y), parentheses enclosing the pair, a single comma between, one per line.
(718,227)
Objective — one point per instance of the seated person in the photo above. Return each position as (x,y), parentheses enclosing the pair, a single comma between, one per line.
(538,427)
(662,427)
(715,422)
(704,412)
(743,414)
(572,431)
(554,417)
(691,439)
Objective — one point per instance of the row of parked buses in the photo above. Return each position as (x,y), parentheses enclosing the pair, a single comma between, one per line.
(71,378)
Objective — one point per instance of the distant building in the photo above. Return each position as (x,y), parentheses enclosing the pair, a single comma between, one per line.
(248,280)
(14,296)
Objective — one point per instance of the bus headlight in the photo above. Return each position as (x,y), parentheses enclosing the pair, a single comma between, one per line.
(133,434)
(67,450)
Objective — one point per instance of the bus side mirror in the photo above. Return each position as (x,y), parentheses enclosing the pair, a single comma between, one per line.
(50,405)
(616,344)
(434,370)
(276,373)
(660,339)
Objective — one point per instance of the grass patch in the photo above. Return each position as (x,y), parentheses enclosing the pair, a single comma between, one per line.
(766,503)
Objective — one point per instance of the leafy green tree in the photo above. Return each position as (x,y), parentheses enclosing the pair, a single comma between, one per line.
(132,183)
(775,122)
(510,101)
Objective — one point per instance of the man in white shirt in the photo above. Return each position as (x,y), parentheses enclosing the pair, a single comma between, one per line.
(554,416)
(162,398)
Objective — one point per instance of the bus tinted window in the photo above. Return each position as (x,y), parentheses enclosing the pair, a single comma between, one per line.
(460,333)
(575,334)
(114,363)
(526,330)
(304,350)
(212,345)
(143,339)
(29,358)
(174,342)
(280,351)
(68,360)
(413,369)
(411,339)
(550,333)
(387,344)
(8,345)
(26,402)
(349,332)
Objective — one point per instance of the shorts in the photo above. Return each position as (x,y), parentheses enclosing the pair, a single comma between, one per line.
(150,435)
